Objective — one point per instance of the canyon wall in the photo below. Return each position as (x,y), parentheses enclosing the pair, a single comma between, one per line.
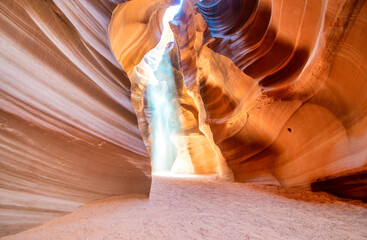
(68,132)
(307,120)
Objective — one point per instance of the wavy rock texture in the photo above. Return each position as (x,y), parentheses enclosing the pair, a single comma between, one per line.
(308,59)
(189,28)
(201,154)
(68,131)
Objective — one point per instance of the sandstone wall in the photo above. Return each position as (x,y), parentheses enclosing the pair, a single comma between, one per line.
(68,132)
(308,122)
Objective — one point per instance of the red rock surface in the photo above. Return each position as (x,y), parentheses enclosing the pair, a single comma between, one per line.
(68,132)
(308,58)
(269,91)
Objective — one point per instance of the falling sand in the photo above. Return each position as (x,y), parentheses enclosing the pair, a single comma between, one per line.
(207,208)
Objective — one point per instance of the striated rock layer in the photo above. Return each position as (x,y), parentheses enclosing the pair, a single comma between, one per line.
(68,132)
(308,120)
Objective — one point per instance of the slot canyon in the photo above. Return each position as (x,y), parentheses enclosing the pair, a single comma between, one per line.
(183,119)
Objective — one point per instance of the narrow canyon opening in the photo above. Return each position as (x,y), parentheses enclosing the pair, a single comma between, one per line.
(155,72)
(169,115)
(170,111)
(157,78)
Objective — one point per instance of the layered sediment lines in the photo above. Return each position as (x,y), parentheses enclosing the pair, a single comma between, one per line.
(68,131)
(308,59)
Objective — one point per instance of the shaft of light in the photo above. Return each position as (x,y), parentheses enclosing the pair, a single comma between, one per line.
(160,82)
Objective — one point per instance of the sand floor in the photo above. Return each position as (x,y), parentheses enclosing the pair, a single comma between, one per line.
(206,208)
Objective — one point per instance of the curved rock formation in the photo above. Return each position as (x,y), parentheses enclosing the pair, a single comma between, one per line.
(68,131)
(308,58)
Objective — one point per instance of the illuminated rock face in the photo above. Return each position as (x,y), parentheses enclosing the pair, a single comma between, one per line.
(68,131)
(308,59)
(278,87)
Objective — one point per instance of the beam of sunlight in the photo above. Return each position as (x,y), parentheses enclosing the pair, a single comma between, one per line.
(160,89)
(164,121)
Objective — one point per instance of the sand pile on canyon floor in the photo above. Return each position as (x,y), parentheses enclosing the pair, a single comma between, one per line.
(206,208)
